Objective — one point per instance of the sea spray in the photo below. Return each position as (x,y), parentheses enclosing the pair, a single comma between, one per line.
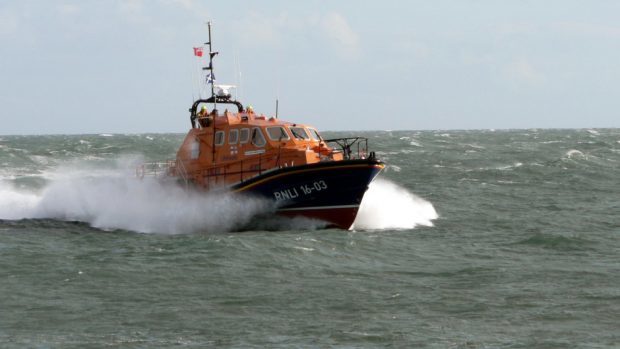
(125,202)
(16,204)
(113,198)
(387,205)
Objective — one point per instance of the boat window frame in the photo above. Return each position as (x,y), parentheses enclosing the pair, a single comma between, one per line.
(313,133)
(257,130)
(247,136)
(233,132)
(195,149)
(307,138)
(280,138)
(221,140)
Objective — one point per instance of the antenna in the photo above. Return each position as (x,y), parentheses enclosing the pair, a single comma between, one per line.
(276,108)
(240,84)
(211,75)
(211,80)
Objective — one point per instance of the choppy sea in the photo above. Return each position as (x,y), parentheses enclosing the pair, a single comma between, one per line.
(468,239)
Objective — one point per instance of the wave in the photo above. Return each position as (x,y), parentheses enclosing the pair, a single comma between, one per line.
(574,153)
(387,205)
(556,242)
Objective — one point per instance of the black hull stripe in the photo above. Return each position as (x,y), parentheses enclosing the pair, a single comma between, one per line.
(288,171)
(319,208)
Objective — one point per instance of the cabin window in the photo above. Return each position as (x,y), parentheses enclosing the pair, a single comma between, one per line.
(299,133)
(315,134)
(233,136)
(257,137)
(195,149)
(277,133)
(219,137)
(245,135)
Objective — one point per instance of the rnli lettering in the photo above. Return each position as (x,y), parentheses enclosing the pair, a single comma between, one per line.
(286,194)
(304,189)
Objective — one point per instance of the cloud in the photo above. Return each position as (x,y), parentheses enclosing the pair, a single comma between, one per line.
(197,8)
(411,47)
(9,22)
(522,71)
(259,29)
(517,28)
(68,9)
(572,28)
(133,11)
(340,33)
(587,29)
(186,4)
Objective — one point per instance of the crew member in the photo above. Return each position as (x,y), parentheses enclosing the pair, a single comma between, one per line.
(203,111)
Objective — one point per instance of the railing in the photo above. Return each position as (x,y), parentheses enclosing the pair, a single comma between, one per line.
(351,147)
(153,169)
(180,166)
(248,168)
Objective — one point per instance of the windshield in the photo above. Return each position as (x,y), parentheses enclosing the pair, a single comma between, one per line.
(233,136)
(277,133)
(315,134)
(299,133)
(245,135)
(257,137)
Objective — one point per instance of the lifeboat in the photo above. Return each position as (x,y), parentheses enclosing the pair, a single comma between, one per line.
(286,162)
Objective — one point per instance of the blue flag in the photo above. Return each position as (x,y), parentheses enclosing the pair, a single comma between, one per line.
(210,78)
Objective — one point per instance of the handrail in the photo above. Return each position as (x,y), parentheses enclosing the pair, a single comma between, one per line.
(152,169)
(252,165)
(183,172)
(346,143)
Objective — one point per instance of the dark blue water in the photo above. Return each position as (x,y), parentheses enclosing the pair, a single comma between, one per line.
(524,252)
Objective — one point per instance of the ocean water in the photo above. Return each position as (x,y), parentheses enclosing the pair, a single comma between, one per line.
(468,239)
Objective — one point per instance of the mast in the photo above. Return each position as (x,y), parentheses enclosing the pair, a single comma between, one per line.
(211,75)
(211,80)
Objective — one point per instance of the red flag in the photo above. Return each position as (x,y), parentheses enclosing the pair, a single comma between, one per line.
(198,51)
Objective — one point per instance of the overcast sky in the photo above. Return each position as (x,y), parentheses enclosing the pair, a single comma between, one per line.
(127,66)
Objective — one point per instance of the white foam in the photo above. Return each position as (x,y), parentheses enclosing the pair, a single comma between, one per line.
(510,167)
(125,202)
(392,167)
(387,205)
(475,146)
(15,204)
(574,153)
